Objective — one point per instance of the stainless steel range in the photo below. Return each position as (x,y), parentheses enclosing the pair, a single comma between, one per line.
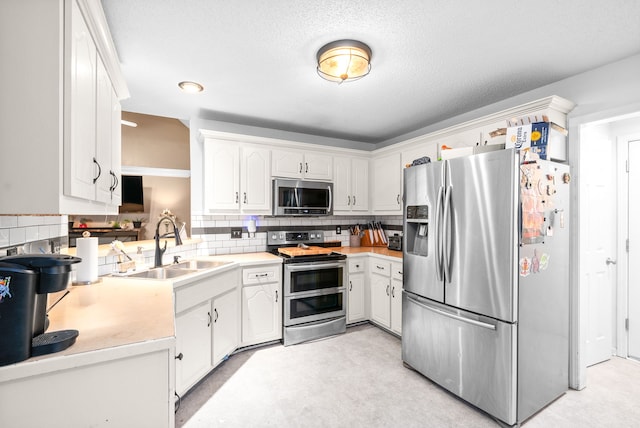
(314,279)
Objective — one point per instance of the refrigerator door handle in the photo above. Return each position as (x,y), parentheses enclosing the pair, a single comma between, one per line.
(438,237)
(446,234)
(453,316)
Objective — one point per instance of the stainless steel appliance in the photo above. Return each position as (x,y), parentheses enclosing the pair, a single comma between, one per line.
(395,242)
(486,280)
(302,198)
(25,281)
(314,280)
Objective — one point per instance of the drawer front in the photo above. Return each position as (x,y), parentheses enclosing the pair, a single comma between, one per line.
(261,275)
(396,271)
(197,292)
(380,267)
(356,265)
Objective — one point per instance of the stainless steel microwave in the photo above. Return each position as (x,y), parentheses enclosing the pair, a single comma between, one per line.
(302,198)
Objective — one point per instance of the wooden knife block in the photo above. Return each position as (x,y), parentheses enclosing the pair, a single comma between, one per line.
(377,242)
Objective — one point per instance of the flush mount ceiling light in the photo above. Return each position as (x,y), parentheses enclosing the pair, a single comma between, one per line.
(191,87)
(344,61)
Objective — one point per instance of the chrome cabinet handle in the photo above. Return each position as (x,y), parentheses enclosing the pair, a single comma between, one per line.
(237,197)
(398,199)
(245,197)
(350,286)
(380,267)
(348,200)
(354,199)
(306,166)
(209,321)
(276,296)
(216,318)
(300,168)
(387,290)
(393,292)
(610,261)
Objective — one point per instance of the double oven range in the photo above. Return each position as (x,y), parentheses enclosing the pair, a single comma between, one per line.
(314,281)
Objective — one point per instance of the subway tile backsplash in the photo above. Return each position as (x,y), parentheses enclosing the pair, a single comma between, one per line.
(215,230)
(16,231)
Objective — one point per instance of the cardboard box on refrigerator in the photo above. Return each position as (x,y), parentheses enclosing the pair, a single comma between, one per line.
(546,139)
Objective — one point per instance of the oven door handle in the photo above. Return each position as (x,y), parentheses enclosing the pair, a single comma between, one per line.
(312,266)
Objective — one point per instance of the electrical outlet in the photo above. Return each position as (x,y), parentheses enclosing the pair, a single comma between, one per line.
(236,233)
(338,230)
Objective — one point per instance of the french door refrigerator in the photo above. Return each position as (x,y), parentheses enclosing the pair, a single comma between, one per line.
(485,309)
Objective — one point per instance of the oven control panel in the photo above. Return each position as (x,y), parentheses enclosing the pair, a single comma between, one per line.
(295,237)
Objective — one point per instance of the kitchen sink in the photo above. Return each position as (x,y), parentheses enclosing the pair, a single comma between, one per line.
(162,273)
(197,264)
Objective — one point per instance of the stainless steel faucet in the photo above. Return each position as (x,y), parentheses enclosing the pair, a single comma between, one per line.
(160,251)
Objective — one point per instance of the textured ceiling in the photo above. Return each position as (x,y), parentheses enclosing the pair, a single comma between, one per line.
(432,59)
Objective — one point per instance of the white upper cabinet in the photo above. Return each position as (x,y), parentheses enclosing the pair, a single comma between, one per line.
(350,185)
(302,165)
(63,133)
(387,184)
(236,178)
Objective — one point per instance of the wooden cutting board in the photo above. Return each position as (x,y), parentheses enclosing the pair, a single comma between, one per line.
(311,251)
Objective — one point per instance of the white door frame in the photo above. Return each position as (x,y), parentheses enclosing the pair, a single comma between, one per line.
(578,302)
(621,245)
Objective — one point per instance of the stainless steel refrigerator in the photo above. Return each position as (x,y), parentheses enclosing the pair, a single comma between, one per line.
(485,310)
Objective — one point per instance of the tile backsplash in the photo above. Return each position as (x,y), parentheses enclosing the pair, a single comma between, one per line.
(17,231)
(215,230)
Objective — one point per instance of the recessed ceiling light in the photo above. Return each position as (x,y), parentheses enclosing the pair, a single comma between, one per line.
(191,87)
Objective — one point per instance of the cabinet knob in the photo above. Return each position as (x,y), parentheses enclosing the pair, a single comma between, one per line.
(179,356)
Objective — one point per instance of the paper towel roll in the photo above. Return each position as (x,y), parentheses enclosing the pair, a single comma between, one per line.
(87,250)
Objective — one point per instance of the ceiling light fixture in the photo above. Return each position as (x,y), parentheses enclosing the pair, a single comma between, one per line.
(191,87)
(344,61)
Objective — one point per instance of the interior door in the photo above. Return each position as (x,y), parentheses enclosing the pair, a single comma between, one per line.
(597,232)
(481,230)
(634,250)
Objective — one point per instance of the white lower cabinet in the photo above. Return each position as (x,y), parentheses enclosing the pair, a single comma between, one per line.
(356,307)
(396,297)
(193,345)
(261,304)
(386,293)
(207,325)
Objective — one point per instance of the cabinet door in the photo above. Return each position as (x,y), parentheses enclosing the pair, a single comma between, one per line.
(318,166)
(256,180)
(356,306)
(116,149)
(222,176)
(193,341)
(380,295)
(226,319)
(341,184)
(287,164)
(387,184)
(261,313)
(104,128)
(359,184)
(396,306)
(80,109)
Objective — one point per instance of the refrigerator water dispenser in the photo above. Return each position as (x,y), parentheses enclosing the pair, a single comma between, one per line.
(417,233)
